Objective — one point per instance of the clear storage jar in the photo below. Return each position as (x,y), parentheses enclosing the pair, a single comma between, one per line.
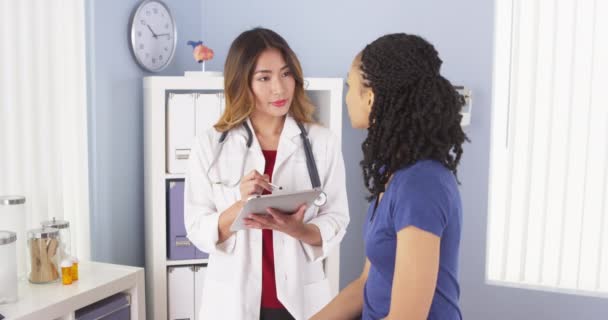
(12,218)
(8,267)
(43,255)
(64,236)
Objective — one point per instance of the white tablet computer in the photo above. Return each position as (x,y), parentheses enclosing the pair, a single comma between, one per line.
(284,201)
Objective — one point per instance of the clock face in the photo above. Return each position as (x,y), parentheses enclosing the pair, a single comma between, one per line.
(153,35)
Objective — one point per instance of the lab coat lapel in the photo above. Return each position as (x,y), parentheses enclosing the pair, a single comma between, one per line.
(287,145)
(255,152)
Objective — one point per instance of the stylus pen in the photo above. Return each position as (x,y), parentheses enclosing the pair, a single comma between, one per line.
(275,187)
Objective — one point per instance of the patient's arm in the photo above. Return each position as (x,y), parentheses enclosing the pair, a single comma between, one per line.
(348,304)
(416,270)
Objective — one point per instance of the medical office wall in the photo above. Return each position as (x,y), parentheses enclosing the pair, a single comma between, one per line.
(325,35)
(116,123)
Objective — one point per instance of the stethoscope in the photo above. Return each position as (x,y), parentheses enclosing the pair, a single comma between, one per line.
(313,173)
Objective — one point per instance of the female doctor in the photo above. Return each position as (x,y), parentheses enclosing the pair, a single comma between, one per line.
(274,269)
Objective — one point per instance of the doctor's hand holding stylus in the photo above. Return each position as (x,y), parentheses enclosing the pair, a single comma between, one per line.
(252,183)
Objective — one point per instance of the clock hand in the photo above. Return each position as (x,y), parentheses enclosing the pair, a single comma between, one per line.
(153,34)
(164,34)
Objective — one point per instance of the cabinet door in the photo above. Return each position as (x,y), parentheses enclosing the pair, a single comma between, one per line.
(180,295)
(209,107)
(178,245)
(180,131)
(199,278)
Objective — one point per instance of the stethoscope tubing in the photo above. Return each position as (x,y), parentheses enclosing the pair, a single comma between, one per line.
(311,165)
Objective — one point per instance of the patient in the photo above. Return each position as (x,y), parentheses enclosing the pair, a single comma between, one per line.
(410,157)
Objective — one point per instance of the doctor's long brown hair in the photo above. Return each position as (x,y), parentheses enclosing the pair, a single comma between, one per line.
(238,73)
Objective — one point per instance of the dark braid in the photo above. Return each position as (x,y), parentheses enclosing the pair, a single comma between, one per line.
(416,112)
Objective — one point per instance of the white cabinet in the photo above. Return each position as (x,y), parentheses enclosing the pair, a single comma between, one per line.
(185,286)
(175,109)
(180,130)
(199,279)
(209,108)
(181,293)
(188,113)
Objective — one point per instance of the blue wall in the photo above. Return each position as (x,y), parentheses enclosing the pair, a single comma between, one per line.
(325,35)
(116,124)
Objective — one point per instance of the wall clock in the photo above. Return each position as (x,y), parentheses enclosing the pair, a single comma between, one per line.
(153,35)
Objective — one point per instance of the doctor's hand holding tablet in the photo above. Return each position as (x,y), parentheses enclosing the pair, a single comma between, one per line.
(252,186)
(282,212)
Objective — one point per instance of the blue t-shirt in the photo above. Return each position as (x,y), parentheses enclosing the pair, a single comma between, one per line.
(424,195)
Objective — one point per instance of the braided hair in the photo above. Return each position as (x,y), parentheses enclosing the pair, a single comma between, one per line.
(415,113)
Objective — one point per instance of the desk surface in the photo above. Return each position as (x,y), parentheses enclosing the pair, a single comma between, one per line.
(54,300)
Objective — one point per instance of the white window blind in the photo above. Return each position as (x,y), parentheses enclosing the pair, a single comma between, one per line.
(43,113)
(548,224)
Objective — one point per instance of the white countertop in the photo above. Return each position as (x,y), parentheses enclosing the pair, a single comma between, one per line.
(96,282)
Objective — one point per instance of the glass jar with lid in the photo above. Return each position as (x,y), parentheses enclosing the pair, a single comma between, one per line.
(8,267)
(64,235)
(43,255)
(12,218)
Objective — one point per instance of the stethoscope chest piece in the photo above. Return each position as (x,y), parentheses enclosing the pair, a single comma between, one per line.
(321,200)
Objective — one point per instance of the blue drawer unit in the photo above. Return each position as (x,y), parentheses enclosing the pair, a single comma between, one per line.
(116,307)
(178,245)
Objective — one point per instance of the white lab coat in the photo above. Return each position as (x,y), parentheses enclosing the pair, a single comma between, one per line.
(233,282)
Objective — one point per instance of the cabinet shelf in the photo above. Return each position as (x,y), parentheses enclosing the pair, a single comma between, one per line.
(174,176)
(173,263)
